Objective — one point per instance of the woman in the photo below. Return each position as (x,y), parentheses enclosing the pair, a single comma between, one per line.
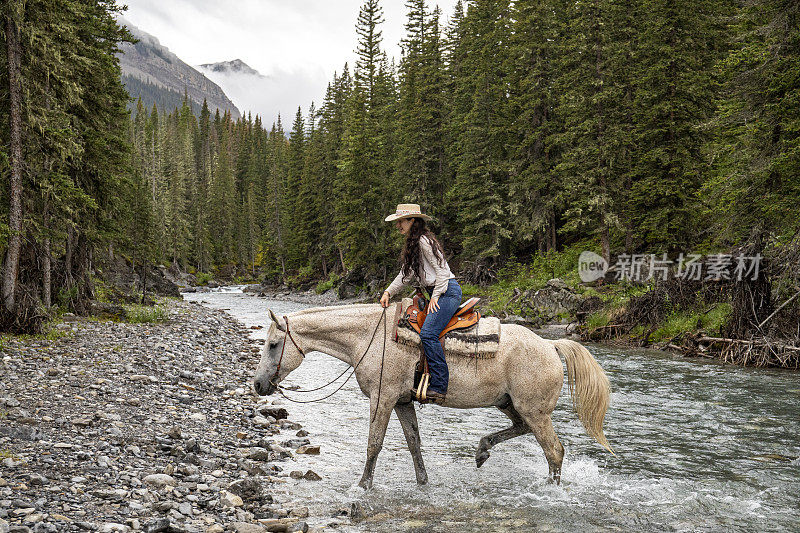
(422,260)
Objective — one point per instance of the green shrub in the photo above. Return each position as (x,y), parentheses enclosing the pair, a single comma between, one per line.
(302,277)
(203,278)
(332,281)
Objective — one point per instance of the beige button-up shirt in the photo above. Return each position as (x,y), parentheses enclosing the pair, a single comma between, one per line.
(435,273)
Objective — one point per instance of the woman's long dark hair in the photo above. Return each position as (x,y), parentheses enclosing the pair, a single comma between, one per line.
(409,259)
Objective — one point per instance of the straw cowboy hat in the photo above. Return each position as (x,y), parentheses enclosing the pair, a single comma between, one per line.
(407,211)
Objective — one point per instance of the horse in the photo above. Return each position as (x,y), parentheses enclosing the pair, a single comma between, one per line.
(523,380)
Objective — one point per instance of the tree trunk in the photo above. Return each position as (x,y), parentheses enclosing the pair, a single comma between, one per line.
(47,299)
(11,264)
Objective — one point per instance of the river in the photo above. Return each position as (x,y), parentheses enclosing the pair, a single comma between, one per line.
(700,447)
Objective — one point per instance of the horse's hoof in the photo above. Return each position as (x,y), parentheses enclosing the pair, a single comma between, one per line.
(554,479)
(422,480)
(365,484)
(481,457)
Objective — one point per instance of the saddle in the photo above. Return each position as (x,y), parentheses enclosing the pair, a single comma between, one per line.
(466,316)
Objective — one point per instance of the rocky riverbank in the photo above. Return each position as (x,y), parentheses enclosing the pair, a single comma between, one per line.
(146,427)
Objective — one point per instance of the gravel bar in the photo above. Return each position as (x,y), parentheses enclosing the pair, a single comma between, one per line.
(145,427)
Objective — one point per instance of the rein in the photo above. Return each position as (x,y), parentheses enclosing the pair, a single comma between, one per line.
(302,353)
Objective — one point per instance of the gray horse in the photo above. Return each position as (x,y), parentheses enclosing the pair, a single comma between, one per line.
(523,380)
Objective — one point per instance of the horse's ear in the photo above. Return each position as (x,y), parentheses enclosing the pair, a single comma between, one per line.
(276,321)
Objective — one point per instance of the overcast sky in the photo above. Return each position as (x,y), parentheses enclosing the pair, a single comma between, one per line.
(297,44)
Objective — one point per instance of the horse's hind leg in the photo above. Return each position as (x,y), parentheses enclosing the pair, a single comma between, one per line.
(542,427)
(408,420)
(518,428)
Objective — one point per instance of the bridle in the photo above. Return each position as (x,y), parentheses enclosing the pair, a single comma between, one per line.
(288,334)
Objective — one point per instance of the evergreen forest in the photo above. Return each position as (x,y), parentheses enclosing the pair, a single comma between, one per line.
(523,127)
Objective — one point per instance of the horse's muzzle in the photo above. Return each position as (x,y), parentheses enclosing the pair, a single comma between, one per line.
(265,390)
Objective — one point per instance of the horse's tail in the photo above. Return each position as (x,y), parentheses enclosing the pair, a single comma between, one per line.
(588,388)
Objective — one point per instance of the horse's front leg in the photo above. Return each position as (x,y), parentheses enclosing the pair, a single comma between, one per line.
(408,420)
(379,420)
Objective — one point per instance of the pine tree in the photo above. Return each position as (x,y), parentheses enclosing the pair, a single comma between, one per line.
(421,162)
(370,16)
(295,239)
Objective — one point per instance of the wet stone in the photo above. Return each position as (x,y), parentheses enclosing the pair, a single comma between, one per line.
(308,450)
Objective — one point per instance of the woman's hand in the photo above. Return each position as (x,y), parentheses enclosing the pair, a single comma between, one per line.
(433,306)
(385,299)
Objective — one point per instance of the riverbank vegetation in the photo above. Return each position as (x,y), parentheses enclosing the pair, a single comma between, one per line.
(529,131)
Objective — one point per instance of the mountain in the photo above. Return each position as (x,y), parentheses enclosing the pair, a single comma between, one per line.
(278,92)
(158,76)
(237,66)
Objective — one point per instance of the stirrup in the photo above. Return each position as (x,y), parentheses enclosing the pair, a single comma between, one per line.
(422,389)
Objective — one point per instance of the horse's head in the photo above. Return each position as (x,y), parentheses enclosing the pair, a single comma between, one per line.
(273,367)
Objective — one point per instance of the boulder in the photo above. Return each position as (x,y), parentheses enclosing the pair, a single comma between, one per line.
(253,289)
(554,299)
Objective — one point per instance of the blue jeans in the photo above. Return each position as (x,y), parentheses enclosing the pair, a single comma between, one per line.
(429,334)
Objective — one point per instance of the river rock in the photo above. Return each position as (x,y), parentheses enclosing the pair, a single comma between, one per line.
(159,480)
(248,488)
(299,512)
(259,454)
(548,303)
(308,450)
(228,499)
(312,476)
(244,527)
(278,413)
(113,527)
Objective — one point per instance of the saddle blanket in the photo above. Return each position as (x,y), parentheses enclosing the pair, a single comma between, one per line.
(480,340)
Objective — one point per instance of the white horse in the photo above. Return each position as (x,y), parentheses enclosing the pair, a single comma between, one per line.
(523,380)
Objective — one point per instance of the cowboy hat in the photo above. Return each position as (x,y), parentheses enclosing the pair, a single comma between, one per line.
(406,211)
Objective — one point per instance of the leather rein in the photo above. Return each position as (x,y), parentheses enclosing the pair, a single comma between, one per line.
(288,334)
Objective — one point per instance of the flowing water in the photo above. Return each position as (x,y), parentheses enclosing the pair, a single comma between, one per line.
(700,447)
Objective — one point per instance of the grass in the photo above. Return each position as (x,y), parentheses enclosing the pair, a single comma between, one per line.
(50,333)
(142,314)
(7,454)
(683,321)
